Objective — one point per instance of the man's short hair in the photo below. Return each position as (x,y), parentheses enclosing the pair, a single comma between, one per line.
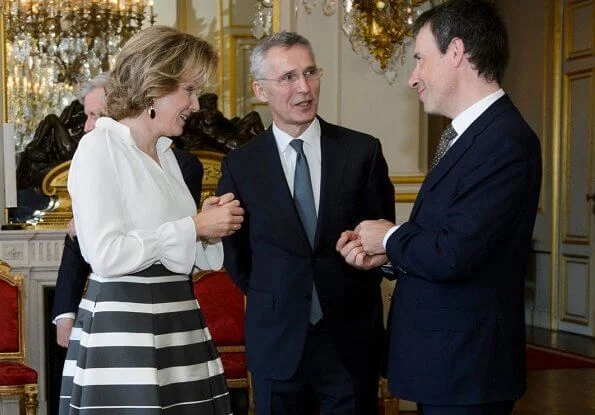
(98,81)
(280,39)
(479,24)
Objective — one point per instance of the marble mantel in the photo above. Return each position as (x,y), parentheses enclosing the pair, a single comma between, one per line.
(35,254)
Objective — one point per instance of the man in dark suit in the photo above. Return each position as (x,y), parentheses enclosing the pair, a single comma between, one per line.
(457,342)
(314,326)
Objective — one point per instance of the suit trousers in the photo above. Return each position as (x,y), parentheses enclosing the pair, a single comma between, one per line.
(493,408)
(321,381)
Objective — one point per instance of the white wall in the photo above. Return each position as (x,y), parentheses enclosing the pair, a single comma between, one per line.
(353,95)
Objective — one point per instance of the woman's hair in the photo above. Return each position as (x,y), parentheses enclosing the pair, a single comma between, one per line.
(152,64)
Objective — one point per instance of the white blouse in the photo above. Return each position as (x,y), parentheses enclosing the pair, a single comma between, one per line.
(131,212)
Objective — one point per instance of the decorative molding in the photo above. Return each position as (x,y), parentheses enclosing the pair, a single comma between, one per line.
(237,42)
(13,252)
(410,184)
(41,253)
(556,157)
(567,316)
(574,7)
(567,140)
(29,248)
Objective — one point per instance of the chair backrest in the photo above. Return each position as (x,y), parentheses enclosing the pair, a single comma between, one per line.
(12,315)
(222,304)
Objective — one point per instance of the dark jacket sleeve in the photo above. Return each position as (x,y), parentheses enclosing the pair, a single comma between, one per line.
(495,196)
(192,172)
(379,198)
(72,276)
(237,260)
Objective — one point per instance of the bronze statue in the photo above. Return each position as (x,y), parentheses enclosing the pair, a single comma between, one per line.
(208,129)
(55,141)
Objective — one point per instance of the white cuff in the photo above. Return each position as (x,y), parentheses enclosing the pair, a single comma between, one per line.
(209,255)
(71,316)
(388,235)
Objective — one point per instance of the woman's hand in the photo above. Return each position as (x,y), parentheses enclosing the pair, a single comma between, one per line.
(220,216)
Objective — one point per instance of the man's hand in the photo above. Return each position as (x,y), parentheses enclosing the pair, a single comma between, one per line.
(71,229)
(371,233)
(63,330)
(350,247)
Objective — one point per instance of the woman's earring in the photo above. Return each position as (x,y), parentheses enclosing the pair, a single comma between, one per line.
(152,111)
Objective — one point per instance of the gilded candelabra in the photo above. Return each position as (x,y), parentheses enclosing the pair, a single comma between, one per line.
(53,46)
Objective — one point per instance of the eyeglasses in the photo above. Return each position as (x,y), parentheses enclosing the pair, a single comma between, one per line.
(291,78)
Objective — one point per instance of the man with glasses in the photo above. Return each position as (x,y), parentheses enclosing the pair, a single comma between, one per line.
(314,327)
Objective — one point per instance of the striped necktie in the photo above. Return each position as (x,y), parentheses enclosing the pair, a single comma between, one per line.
(447,136)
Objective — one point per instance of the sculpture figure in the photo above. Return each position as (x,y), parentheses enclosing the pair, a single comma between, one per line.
(208,129)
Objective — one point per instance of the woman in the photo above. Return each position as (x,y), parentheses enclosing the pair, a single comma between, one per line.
(139,343)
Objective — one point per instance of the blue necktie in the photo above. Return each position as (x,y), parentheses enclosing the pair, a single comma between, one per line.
(303,197)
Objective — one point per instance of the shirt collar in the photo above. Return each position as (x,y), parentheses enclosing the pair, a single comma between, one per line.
(163,143)
(467,117)
(311,136)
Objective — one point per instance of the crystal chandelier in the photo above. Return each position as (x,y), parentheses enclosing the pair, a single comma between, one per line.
(262,24)
(54,46)
(379,30)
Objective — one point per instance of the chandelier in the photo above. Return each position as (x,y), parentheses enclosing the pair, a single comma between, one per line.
(53,46)
(262,24)
(378,30)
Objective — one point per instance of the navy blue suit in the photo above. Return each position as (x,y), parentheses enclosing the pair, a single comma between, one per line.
(272,262)
(457,320)
(73,271)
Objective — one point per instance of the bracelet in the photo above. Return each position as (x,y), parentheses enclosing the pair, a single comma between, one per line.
(204,241)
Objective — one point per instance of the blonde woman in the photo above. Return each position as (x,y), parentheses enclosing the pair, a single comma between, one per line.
(139,343)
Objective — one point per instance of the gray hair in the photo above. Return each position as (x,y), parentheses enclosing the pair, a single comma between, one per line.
(98,81)
(280,39)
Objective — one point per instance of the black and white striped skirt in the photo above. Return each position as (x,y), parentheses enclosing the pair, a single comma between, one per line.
(140,346)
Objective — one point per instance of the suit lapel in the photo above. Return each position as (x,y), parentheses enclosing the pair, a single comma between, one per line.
(459,148)
(274,188)
(333,159)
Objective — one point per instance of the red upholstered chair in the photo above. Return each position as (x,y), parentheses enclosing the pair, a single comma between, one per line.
(222,304)
(16,379)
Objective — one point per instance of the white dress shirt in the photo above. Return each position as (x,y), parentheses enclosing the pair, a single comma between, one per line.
(460,125)
(130,211)
(288,155)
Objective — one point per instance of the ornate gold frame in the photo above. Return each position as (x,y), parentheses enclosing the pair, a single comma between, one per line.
(211,163)
(408,197)
(55,184)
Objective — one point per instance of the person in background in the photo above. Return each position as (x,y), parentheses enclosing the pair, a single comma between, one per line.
(314,329)
(457,332)
(73,271)
(139,342)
